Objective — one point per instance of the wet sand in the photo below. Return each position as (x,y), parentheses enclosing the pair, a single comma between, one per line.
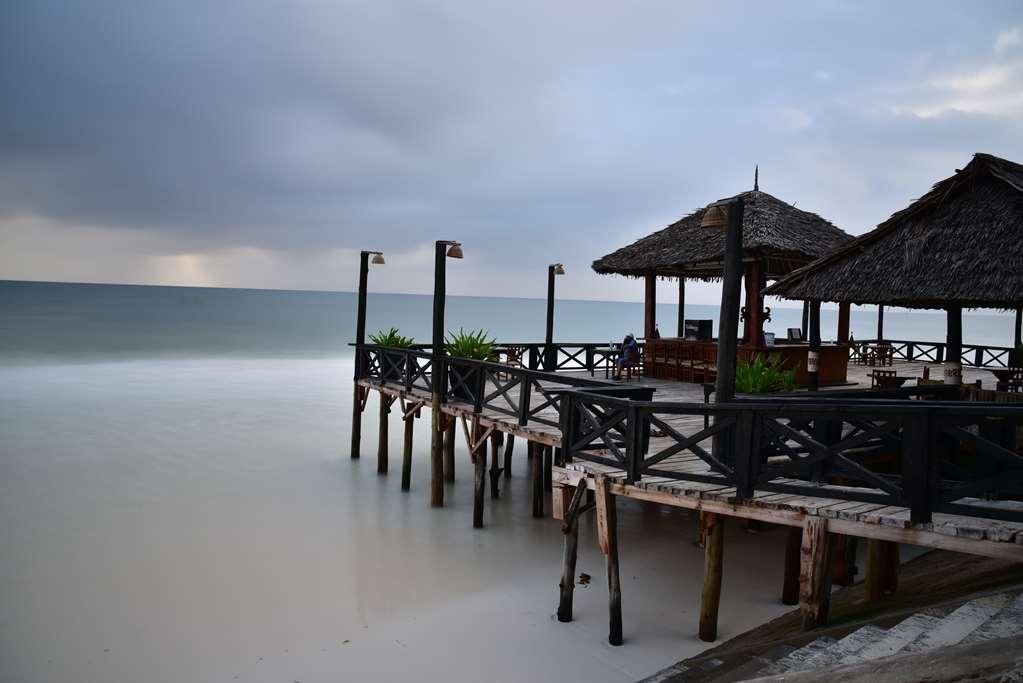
(201,521)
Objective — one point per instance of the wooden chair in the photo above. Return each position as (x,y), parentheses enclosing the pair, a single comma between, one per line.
(884,353)
(880,378)
(512,358)
(685,363)
(1015,382)
(633,364)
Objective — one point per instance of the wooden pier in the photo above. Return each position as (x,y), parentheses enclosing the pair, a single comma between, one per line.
(805,463)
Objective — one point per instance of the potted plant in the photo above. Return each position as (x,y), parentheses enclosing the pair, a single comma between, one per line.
(391,371)
(473,345)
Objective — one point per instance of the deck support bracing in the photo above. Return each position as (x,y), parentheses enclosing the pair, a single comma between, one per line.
(570,528)
(713,527)
(790,585)
(882,569)
(815,573)
(607,538)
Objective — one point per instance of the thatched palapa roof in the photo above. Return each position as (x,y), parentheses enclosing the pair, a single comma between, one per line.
(961,244)
(784,236)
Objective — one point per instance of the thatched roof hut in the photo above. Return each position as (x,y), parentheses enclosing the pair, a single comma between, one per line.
(780,235)
(958,246)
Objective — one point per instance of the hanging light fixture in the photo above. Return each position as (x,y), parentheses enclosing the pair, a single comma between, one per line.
(378,258)
(559,269)
(455,250)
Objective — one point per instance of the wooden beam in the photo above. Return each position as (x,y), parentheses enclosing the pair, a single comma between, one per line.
(570,529)
(728,322)
(710,599)
(406,456)
(815,573)
(548,464)
(790,585)
(681,306)
(607,538)
(843,322)
(479,482)
(813,353)
(882,569)
(954,346)
(438,375)
(385,409)
(496,440)
(843,565)
(536,477)
(880,322)
(449,448)
(508,447)
(650,305)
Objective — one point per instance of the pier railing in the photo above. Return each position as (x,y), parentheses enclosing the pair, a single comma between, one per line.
(926,455)
(974,355)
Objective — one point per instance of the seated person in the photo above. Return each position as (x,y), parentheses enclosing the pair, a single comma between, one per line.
(629,354)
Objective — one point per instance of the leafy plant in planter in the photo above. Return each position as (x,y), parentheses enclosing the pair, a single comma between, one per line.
(764,376)
(473,345)
(391,372)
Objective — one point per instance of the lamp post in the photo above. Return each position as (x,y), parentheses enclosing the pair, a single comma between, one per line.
(360,339)
(443,250)
(550,358)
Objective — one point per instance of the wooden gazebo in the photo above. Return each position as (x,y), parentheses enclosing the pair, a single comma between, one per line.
(778,239)
(959,246)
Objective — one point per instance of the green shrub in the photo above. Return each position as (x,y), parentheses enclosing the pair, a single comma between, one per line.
(472,345)
(391,338)
(764,375)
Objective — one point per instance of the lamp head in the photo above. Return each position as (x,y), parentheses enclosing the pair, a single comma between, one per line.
(378,259)
(559,269)
(455,250)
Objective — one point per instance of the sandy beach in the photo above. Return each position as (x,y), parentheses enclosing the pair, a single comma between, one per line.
(201,521)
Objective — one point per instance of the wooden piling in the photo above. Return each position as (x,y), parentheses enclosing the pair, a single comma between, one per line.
(710,599)
(508,446)
(357,407)
(496,439)
(570,528)
(815,573)
(449,448)
(406,456)
(607,537)
(536,475)
(790,586)
(548,464)
(843,565)
(480,480)
(882,569)
(385,408)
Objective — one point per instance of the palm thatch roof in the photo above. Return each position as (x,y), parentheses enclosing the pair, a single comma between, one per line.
(961,244)
(784,236)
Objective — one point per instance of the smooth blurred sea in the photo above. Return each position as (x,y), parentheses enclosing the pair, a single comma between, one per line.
(57,322)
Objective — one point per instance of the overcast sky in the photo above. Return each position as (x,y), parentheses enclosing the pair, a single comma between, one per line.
(261,144)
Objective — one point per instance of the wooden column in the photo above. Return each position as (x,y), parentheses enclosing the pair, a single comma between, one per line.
(815,573)
(406,456)
(790,586)
(650,306)
(536,477)
(496,441)
(843,322)
(882,569)
(710,599)
(753,327)
(1017,338)
(449,447)
(728,322)
(843,554)
(570,528)
(550,356)
(880,322)
(681,306)
(508,446)
(607,538)
(548,464)
(813,354)
(954,346)
(806,318)
(360,338)
(385,408)
(480,476)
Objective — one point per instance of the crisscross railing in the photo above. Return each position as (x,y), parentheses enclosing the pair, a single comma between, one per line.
(974,355)
(926,455)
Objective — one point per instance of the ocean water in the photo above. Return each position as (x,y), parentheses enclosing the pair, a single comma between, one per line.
(52,322)
(177,503)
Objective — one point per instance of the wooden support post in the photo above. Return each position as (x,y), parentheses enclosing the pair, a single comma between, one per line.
(357,419)
(954,346)
(406,456)
(508,446)
(790,586)
(650,306)
(815,573)
(496,440)
(710,599)
(882,569)
(548,464)
(360,338)
(843,322)
(607,538)
(681,306)
(880,322)
(536,474)
(570,528)
(1017,339)
(843,565)
(480,480)
(438,376)
(385,408)
(813,354)
(753,326)
(449,448)
(806,318)
(561,497)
